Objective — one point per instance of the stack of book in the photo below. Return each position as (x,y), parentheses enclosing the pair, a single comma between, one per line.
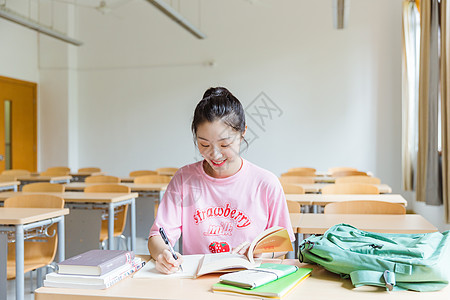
(95,269)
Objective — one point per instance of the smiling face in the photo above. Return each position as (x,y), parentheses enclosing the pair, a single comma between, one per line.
(219,144)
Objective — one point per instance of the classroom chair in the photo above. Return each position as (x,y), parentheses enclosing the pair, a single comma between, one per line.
(365,207)
(296,179)
(16,172)
(7,177)
(348,173)
(339,169)
(142,173)
(102,179)
(89,170)
(120,213)
(56,171)
(39,251)
(350,188)
(43,187)
(300,173)
(290,188)
(359,179)
(312,170)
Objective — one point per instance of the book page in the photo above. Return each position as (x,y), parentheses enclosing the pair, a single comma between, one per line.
(190,265)
(219,262)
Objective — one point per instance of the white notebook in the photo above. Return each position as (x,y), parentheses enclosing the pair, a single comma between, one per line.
(190,265)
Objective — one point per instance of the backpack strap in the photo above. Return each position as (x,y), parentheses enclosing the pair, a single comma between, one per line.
(366,277)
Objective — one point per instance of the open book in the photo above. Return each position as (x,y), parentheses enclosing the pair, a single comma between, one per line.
(274,239)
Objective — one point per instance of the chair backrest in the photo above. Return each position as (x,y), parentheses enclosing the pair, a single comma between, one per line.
(293,206)
(350,188)
(302,169)
(289,188)
(43,187)
(152,179)
(339,169)
(89,170)
(299,173)
(35,201)
(365,207)
(296,179)
(58,169)
(348,173)
(107,188)
(142,173)
(102,179)
(164,171)
(16,172)
(360,179)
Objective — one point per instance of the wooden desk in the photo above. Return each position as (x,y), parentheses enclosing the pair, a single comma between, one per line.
(142,188)
(9,185)
(319,223)
(25,179)
(102,200)
(317,187)
(321,285)
(17,221)
(322,200)
(81,176)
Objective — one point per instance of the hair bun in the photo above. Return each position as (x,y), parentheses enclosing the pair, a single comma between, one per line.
(216,91)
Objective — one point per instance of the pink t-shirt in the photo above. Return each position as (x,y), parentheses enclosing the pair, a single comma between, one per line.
(218,214)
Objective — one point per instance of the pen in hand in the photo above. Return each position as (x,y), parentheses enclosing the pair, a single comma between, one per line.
(166,240)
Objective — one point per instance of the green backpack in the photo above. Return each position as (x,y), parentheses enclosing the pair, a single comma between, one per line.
(419,262)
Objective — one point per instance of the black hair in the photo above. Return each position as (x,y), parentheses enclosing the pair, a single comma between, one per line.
(218,103)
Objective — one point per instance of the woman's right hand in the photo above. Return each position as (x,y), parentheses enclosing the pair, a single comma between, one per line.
(166,264)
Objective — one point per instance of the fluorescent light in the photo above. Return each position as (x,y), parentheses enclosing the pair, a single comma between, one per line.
(174,15)
(14,17)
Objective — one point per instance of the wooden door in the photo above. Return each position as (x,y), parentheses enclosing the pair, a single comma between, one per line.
(18,129)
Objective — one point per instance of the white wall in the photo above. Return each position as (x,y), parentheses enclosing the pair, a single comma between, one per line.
(124,100)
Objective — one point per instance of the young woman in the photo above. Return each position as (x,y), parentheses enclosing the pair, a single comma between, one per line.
(223,202)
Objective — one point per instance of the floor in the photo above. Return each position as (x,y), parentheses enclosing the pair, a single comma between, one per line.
(141,248)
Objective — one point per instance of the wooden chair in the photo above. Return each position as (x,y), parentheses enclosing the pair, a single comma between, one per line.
(296,179)
(43,187)
(339,169)
(16,172)
(152,179)
(6,177)
(293,206)
(120,219)
(89,170)
(350,188)
(365,207)
(165,171)
(312,170)
(299,173)
(102,179)
(289,188)
(359,179)
(56,171)
(142,173)
(348,173)
(40,251)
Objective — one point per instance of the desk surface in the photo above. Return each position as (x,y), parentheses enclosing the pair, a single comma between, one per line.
(9,183)
(319,223)
(42,178)
(78,196)
(317,187)
(141,187)
(16,216)
(87,174)
(321,285)
(321,199)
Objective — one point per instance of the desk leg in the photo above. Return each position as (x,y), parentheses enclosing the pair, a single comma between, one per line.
(110,227)
(20,282)
(15,188)
(3,261)
(133,224)
(61,240)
